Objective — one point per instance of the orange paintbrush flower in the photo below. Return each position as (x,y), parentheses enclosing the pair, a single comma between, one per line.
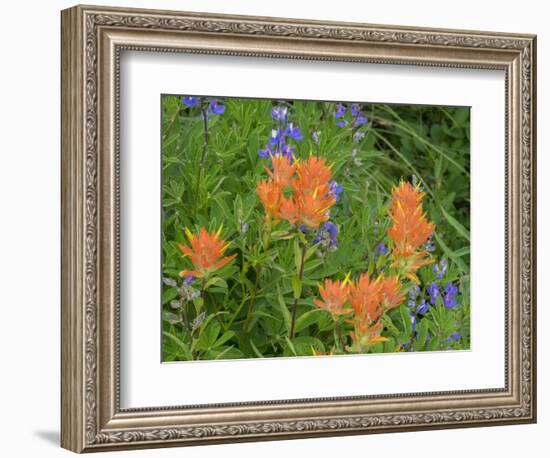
(335,295)
(369,299)
(282,171)
(391,292)
(311,197)
(206,252)
(312,177)
(365,298)
(365,335)
(409,230)
(270,194)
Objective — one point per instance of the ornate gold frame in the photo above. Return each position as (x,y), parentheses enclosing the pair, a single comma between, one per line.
(92,40)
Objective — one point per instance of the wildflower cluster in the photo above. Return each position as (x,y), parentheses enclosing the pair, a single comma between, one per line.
(410,229)
(299,191)
(366,299)
(350,116)
(274,282)
(207,104)
(205,252)
(283,131)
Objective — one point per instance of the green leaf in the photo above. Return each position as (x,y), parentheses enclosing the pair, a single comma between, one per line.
(180,343)
(454,222)
(283,308)
(297,255)
(255,349)
(296,286)
(168,295)
(208,336)
(216,281)
(307,319)
(224,338)
(291,346)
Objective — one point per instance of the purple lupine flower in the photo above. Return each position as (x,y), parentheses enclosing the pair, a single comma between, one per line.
(360,120)
(293,132)
(355,110)
(279,113)
(422,308)
(433,291)
(315,136)
(275,137)
(411,303)
(342,123)
(334,189)
(287,150)
(266,152)
(188,280)
(303,228)
(358,136)
(414,291)
(340,111)
(190,101)
(454,337)
(413,323)
(450,295)
(216,107)
(440,269)
(331,228)
(382,249)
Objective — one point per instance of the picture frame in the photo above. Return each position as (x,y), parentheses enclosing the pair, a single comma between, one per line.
(93,39)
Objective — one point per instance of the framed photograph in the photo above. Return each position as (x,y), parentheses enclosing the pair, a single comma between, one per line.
(278,228)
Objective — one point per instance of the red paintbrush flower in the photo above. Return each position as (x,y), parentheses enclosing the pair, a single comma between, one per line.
(335,294)
(205,251)
(409,230)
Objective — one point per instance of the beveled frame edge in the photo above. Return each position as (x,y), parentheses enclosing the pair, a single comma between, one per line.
(91,38)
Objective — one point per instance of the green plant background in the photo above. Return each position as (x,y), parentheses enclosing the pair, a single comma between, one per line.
(245,311)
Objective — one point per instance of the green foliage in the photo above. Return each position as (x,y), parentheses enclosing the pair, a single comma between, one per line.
(245,309)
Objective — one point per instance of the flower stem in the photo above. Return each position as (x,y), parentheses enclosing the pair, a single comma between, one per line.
(252,299)
(295,305)
(203,154)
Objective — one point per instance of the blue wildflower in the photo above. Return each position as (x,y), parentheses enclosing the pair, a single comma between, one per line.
(429,245)
(279,113)
(450,295)
(340,111)
(266,152)
(454,337)
(342,123)
(358,136)
(355,110)
(303,228)
(331,228)
(360,120)
(188,280)
(422,308)
(414,290)
(216,107)
(275,137)
(277,143)
(382,249)
(334,189)
(433,291)
(293,132)
(315,137)
(287,150)
(190,101)
(440,268)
